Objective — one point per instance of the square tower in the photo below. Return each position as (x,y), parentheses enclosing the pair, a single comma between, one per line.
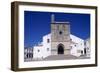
(60,38)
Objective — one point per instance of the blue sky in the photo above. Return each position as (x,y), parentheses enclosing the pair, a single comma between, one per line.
(37,24)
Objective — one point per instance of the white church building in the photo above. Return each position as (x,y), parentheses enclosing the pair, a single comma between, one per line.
(60,42)
(44,50)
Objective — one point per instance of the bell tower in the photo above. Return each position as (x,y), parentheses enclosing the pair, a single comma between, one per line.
(60,37)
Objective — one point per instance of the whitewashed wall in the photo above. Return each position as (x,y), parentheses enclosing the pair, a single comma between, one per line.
(43,50)
(38,52)
(46,45)
(77,45)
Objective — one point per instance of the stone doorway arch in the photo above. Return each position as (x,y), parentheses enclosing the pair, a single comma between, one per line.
(60,49)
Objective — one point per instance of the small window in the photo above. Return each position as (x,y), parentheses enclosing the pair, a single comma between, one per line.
(38,50)
(81,52)
(71,47)
(88,48)
(48,40)
(47,49)
(84,43)
(60,32)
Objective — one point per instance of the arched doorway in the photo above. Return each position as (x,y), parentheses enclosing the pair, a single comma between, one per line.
(60,49)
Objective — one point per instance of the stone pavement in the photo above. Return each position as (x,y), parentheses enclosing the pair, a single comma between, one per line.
(64,57)
(60,57)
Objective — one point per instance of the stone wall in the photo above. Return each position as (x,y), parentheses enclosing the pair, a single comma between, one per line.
(60,34)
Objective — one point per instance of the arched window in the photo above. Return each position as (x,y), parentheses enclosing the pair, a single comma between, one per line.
(38,50)
(48,40)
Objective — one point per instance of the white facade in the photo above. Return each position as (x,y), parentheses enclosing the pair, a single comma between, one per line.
(77,45)
(47,45)
(43,50)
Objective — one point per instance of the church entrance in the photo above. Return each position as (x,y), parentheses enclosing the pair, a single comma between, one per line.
(60,49)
